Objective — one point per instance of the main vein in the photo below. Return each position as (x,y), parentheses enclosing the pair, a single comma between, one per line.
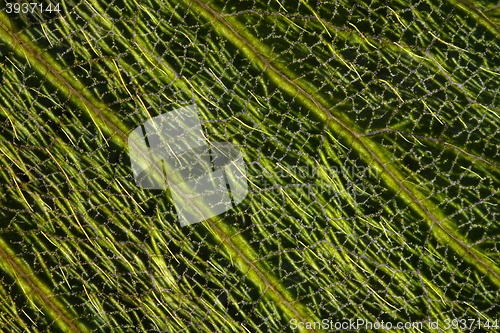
(364,141)
(97,110)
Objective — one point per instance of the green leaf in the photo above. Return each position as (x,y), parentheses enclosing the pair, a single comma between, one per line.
(371,138)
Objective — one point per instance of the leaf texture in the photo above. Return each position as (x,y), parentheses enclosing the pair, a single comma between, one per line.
(370,134)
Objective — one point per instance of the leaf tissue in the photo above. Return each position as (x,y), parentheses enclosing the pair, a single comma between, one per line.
(369,132)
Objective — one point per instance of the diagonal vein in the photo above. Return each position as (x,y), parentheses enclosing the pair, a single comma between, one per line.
(37,289)
(385,41)
(442,142)
(120,132)
(365,143)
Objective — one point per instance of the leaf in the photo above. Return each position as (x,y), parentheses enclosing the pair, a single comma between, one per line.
(370,135)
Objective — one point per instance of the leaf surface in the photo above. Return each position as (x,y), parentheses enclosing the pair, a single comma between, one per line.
(370,134)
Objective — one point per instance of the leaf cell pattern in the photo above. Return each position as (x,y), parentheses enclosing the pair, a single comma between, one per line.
(370,134)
